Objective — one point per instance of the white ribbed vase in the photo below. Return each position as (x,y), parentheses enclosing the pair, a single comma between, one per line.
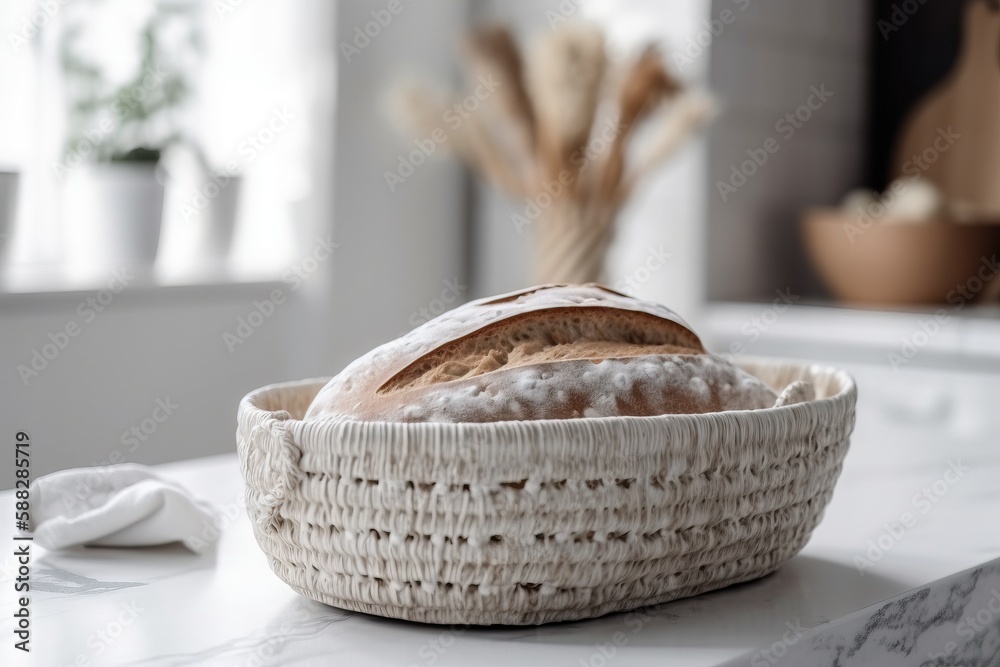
(538,521)
(572,241)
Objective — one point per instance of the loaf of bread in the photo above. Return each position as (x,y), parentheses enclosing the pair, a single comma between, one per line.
(551,352)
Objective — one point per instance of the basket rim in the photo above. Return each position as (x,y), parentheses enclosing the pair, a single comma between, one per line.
(846,395)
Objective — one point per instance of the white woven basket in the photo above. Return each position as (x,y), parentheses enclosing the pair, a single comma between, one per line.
(538,521)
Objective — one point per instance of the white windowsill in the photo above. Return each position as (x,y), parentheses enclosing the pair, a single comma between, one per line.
(21,284)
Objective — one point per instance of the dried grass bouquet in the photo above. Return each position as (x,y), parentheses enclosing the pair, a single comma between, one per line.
(557,129)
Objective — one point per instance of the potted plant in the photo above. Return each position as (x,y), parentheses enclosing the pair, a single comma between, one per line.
(117,131)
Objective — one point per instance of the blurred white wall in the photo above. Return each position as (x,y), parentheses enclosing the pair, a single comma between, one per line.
(401,247)
(144,347)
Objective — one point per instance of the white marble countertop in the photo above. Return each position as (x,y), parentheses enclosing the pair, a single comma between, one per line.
(165,606)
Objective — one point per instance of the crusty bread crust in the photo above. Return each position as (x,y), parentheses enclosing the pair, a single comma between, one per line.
(547,335)
(552,352)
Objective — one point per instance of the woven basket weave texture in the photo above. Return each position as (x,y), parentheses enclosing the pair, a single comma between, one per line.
(538,521)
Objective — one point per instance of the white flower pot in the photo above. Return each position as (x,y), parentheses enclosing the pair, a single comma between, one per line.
(219,218)
(113,213)
(8,208)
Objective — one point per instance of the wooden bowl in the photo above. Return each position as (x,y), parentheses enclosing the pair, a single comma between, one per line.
(901,262)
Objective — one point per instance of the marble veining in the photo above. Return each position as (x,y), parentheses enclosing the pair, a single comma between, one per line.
(951,622)
(291,639)
(58,580)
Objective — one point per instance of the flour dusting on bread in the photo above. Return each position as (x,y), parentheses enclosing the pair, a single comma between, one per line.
(608,388)
(553,352)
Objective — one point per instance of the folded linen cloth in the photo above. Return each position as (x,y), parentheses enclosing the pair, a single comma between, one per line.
(124,505)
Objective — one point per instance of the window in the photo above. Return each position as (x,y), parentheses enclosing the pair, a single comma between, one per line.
(227,87)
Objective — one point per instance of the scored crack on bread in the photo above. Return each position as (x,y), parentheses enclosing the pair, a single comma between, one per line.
(551,352)
(547,335)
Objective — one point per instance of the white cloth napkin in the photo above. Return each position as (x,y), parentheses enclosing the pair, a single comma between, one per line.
(125,505)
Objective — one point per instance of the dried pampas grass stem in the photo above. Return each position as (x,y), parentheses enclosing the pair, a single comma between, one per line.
(496,55)
(646,85)
(675,122)
(565,82)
